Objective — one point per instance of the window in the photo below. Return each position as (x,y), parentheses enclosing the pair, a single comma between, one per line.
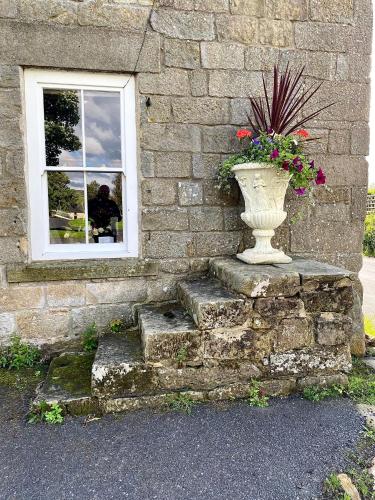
(82,175)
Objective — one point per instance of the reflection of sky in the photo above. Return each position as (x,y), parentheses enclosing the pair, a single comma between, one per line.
(102,178)
(76,180)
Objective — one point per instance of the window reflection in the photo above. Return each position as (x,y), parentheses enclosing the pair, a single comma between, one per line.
(62,127)
(102,129)
(66,207)
(104,194)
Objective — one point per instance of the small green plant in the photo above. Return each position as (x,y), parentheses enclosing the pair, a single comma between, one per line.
(257,396)
(43,412)
(332,484)
(369,236)
(316,393)
(363,481)
(19,355)
(369,325)
(90,338)
(182,354)
(116,325)
(180,402)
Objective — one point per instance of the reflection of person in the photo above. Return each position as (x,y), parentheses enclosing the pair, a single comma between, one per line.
(102,213)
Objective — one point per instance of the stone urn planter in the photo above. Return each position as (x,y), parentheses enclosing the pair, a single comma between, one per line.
(263,188)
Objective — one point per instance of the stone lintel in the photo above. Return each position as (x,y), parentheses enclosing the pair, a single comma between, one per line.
(90,269)
(312,270)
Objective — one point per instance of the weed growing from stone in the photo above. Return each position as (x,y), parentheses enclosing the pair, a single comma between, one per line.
(257,396)
(43,412)
(316,393)
(19,355)
(180,402)
(332,484)
(182,354)
(116,325)
(90,338)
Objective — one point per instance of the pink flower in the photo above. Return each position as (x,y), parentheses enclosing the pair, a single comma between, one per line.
(320,177)
(286,165)
(243,133)
(275,154)
(300,191)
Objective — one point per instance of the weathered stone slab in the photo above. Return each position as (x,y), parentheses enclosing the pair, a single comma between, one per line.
(118,369)
(310,361)
(313,270)
(322,380)
(294,333)
(168,333)
(332,329)
(211,306)
(280,307)
(256,280)
(339,300)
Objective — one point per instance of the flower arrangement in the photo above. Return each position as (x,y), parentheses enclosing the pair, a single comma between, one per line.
(277,134)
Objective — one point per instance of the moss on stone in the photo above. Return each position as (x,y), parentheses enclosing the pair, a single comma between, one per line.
(70,373)
(23,379)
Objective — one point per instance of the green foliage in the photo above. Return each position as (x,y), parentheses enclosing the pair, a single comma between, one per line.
(369,325)
(369,236)
(363,481)
(257,396)
(182,354)
(371,191)
(43,412)
(316,393)
(61,196)
(90,338)
(19,355)
(180,402)
(116,325)
(290,160)
(332,484)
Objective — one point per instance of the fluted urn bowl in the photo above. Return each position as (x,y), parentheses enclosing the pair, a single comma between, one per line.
(263,188)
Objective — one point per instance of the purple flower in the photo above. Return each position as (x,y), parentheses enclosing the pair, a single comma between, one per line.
(300,191)
(296,160)
(256,142)
(275,154)
(320,177)
(312,164)
(285,165)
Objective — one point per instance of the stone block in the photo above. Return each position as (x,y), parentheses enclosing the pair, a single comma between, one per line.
(16,298)
(339,141)
(165,244)
(66,295)
(162,289)
(198,82)
(101,315)
(216,55)
(211,306)
(13,222)
(238,343)
(212,244)
(158,110)
(296,10)
(44,326)
(206,219)
(294,333)
(349,171)
(158,192)
(336,11)
(10,251)
(232,219)
(220,138)
(172,164)
(213,196)
(102,50)
(261,58)
(7,327)
(171,137)
(359,203)
(165,332)
(9,76)
(336,194)
(256,281)
(279,387)
(131,290)
(199,265)
(181,53)
(10,103)
(357,337)
(120,17)
(147,164)
(280,307)
(322,380)
(183,24)
(234,83)
(8,8)
(211,5)
(322,36)
(332,328)
(190,193)
(240,111)
(335,213)
(57,11)
(247,7)
(310,361)
(242,29)
(321,65)
(275,32)
(160,219)
(204,110)
(205,165)
(171,81)
(342,67)
(10,134)
(360,139)
(359,67)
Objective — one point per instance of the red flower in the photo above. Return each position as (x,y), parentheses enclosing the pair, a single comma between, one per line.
(320,177)
(302,133)
(243,133)
(285,165)
(275,154)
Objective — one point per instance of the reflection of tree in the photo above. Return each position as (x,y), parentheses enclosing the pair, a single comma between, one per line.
(92,189)
(117,190)
(61,115)
(61,196)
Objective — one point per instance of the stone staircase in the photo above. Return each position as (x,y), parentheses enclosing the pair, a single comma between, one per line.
(288,325)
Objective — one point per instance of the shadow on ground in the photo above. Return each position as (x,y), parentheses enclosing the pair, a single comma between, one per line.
(226,451)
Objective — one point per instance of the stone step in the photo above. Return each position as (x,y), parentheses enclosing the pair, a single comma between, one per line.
(256,280)
(211,306)
(119,369)
(169,334)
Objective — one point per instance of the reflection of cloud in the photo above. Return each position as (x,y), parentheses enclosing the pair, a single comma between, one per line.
(93,146)
(102,178)
(76,180)
(101,133)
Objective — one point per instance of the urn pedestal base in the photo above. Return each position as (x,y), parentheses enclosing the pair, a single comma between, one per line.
(263,252)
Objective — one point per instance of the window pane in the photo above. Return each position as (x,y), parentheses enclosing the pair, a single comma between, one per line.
(104,194)
(62,126)
(102,129)
(66,207)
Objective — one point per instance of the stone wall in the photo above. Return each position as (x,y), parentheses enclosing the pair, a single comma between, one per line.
(199,61)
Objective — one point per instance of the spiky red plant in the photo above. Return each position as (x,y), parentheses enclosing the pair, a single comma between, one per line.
(281,113)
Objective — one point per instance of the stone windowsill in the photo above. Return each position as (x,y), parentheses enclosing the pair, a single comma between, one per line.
(80,270)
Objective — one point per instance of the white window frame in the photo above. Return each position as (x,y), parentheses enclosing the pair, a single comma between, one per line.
(41,249)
